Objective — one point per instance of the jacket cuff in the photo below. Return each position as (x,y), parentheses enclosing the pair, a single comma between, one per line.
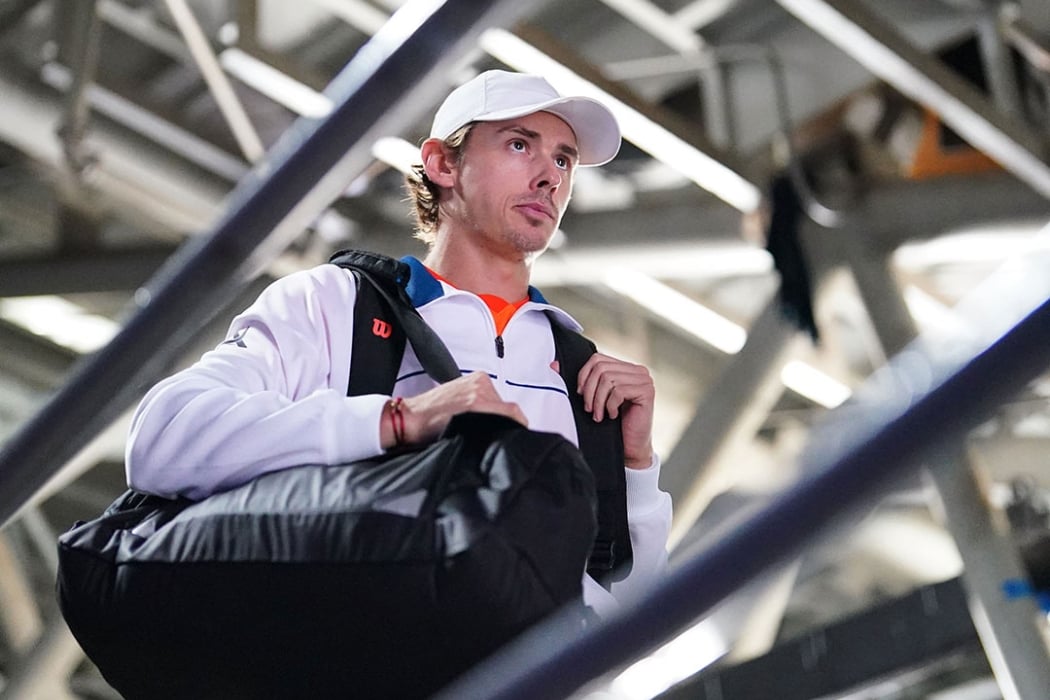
(347,444)
(643,488)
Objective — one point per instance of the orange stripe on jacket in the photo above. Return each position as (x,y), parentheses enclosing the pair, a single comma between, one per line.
(500,308)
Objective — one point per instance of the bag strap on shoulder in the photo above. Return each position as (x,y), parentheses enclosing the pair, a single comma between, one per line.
(602,447)
(384,319)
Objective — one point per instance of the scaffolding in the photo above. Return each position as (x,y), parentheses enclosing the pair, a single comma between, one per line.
(915,414)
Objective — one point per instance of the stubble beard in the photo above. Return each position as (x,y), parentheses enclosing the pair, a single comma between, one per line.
(530,245)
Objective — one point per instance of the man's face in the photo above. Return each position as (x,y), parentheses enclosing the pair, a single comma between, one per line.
(514,183)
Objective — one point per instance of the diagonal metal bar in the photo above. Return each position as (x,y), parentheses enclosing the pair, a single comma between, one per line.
(359,14)
(82,55)
(11,14)
(384,89)
(44,667)
(731,411)
(885,52)
(221,88)
(922,401)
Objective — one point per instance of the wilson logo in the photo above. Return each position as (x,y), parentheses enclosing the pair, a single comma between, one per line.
(381,328)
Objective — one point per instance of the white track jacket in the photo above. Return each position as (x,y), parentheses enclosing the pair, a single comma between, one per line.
(273,395)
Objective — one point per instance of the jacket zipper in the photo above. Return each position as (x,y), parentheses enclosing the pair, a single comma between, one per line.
(499,346)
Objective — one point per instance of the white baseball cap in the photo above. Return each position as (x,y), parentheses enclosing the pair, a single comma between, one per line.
(496,95)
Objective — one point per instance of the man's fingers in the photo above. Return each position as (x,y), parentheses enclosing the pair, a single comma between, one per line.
(606,383)
(517,414)
(485,399)
(615,390)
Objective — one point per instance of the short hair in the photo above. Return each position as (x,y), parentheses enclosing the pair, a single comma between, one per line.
(425,195)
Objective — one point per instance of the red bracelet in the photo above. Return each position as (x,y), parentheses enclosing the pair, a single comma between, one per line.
(397,421)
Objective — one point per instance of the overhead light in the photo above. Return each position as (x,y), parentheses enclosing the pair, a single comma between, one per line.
(397,153)
(357,13)
(989,245)
(705,171)
(61,321)
(684,261)
(700,13)
(815,385)
(719,332)
(687,654)
(279,87)
(685,313)
(660,24)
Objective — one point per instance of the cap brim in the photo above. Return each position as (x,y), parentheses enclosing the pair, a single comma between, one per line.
(596,129)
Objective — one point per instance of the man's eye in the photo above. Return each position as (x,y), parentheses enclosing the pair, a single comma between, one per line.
(562,162)
(517,145)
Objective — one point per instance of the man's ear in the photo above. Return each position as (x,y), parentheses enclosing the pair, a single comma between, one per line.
(438,162)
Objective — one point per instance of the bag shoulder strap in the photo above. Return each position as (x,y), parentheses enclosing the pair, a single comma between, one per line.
(384,319)
(602,448)
(378,343)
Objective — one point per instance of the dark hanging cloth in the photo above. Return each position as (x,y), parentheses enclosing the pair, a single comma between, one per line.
(782,242)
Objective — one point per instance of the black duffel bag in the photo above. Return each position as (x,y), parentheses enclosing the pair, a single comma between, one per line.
(379,579)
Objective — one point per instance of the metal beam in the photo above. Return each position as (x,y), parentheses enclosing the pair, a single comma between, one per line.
(12,13)
(732,410)
(132,177)
(36,362)
(229,104)
(996,59)
(82,54)
(359,14)
(139,23)
(20,616)
(885,52)
(98,270)
(1037,14)
(1029,43)
(918,630)
(185,143)
(385,87)
(662,25)
(51,660)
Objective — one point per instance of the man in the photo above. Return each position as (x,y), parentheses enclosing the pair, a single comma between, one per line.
(495,180)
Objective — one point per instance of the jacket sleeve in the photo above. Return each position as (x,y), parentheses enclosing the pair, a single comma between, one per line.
(271,396)
(649,522)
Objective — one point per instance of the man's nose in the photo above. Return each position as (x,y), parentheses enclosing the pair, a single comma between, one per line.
(549,177)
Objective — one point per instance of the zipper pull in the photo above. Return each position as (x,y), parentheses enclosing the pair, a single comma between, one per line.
(499,346)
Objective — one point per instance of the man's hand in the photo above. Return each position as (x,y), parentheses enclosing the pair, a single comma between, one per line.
(427,414)
(612,387)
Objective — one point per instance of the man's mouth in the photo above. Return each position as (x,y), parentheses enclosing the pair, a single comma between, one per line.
(538,208)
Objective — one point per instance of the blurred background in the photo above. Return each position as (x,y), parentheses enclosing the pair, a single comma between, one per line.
(804,186)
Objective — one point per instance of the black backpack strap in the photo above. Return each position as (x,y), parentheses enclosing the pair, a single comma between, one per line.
(384,319)
(602,447)
(379,342)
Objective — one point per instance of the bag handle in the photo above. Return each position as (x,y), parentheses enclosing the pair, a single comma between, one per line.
(435,358)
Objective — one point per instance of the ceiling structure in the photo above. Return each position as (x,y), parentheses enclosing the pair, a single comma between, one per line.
(841,169)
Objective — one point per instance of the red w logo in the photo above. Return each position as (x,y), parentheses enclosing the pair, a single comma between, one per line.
(381,328)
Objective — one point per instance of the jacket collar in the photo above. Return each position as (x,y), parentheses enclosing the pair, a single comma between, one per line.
(424,288)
